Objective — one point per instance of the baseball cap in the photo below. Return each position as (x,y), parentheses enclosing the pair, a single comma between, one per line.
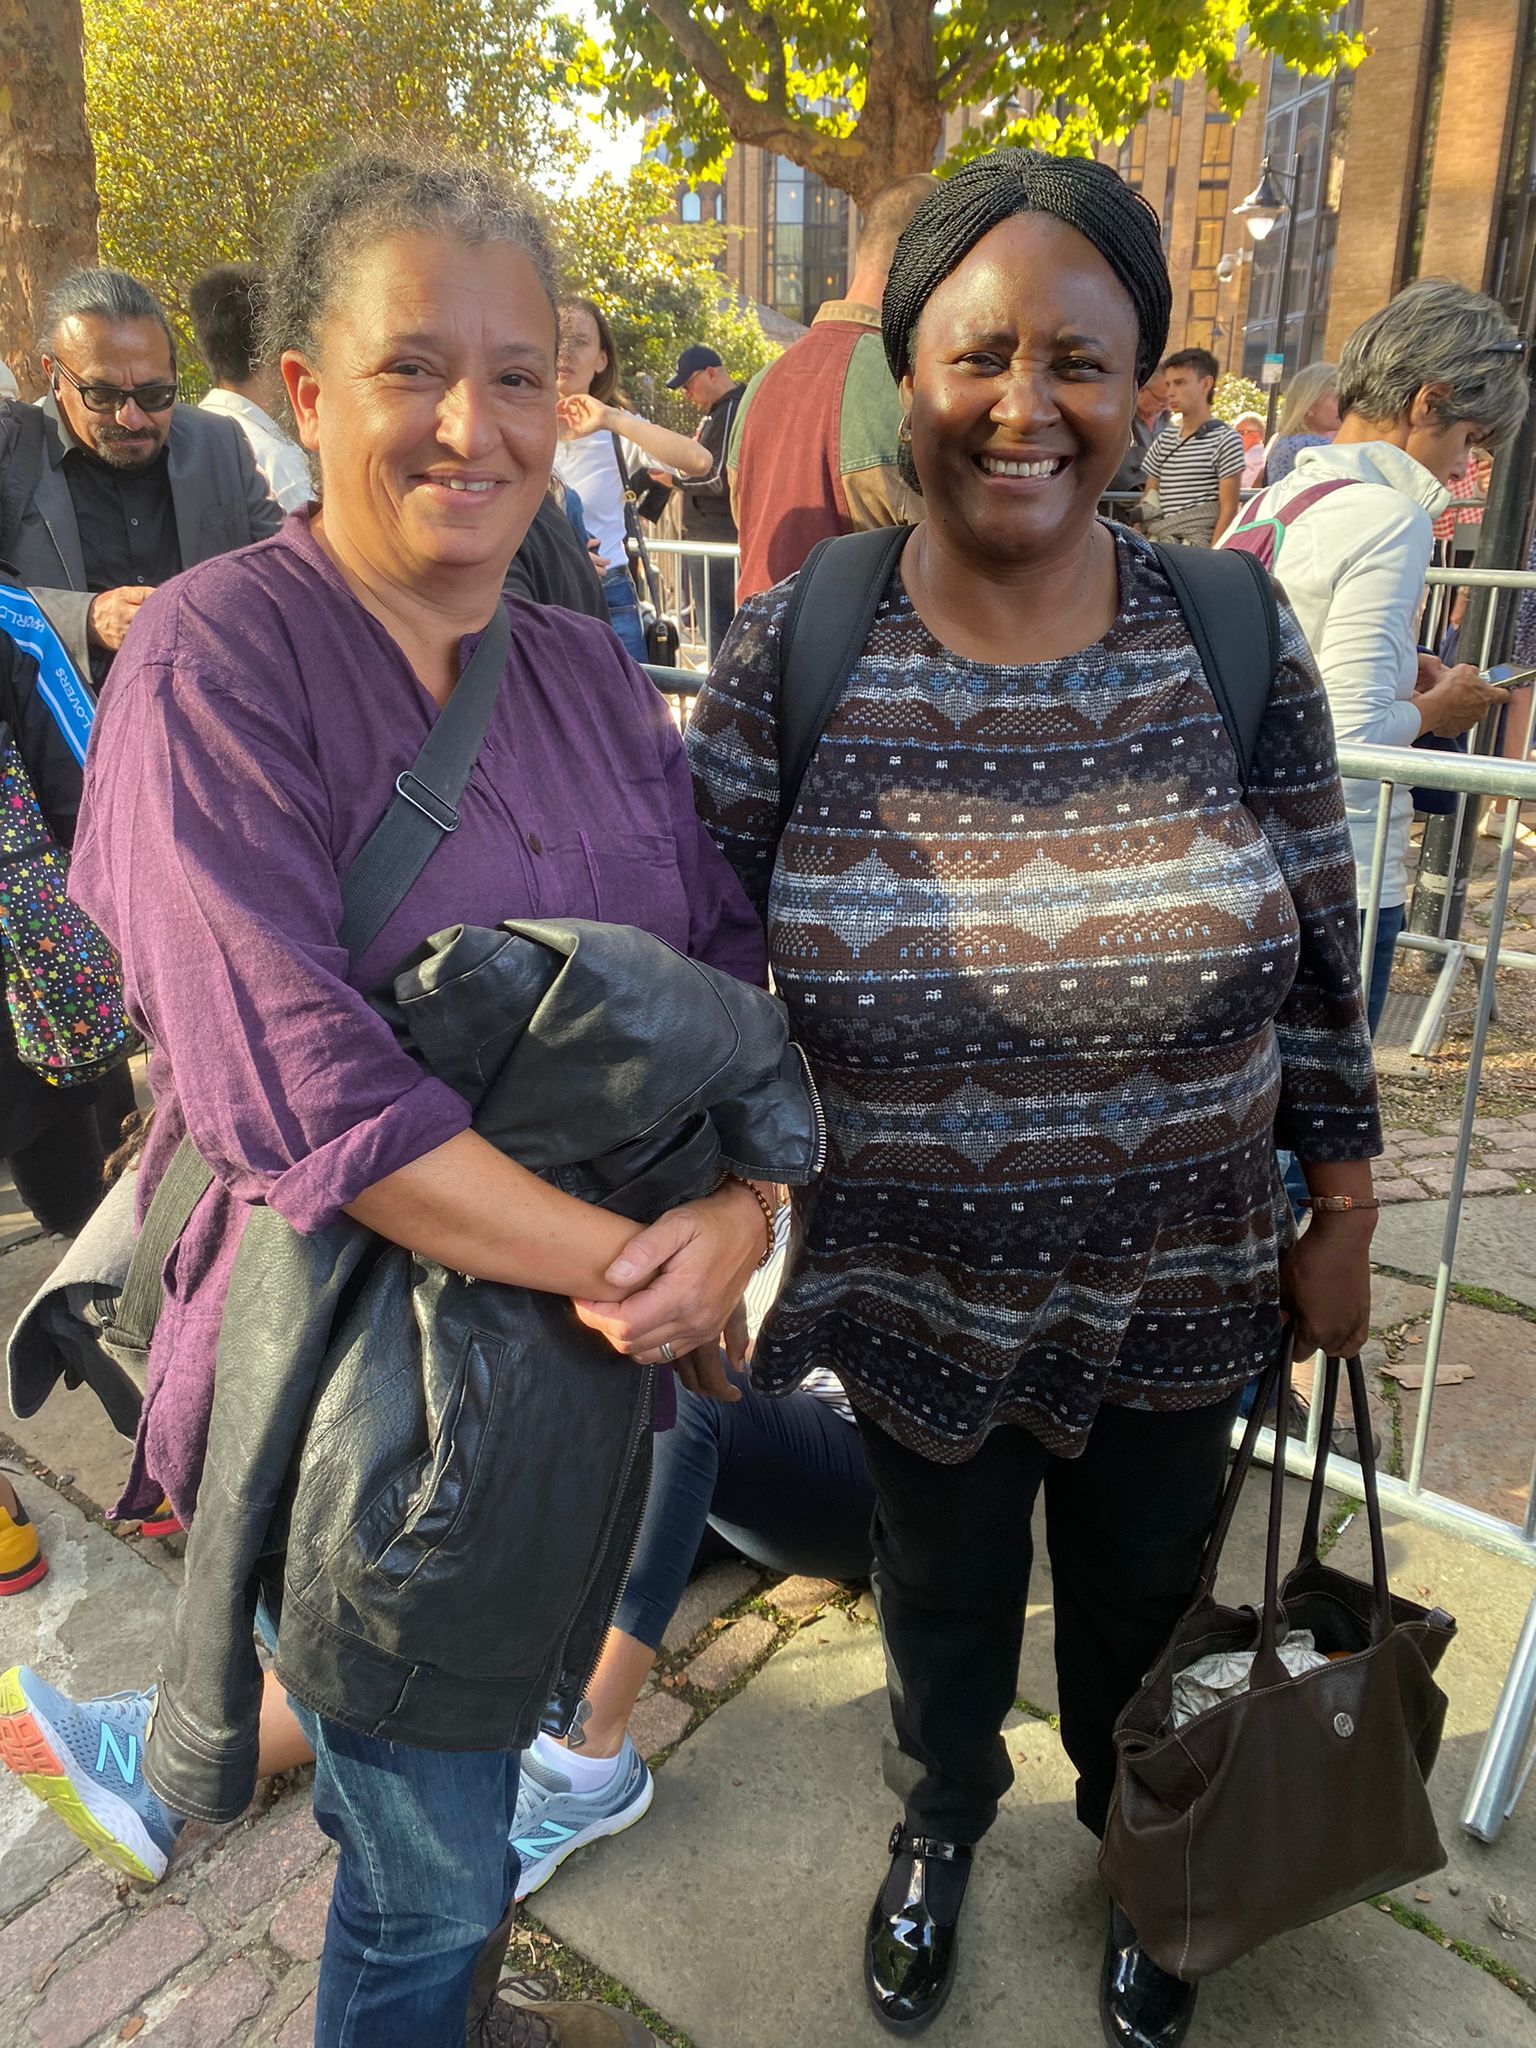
(689,364)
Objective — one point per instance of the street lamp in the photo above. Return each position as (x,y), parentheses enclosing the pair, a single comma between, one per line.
(1260,213)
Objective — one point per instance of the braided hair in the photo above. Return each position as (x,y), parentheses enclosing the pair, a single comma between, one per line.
(1076,190)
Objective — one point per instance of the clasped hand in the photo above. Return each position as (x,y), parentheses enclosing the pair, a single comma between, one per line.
(680,1283)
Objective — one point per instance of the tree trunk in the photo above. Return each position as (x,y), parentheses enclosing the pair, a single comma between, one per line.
(47,169)
(901,122)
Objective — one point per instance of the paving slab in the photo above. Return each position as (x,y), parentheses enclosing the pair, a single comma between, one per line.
(94,1625)
(1495,1249)
(72,1436)
(766,1841)
(1489,1596)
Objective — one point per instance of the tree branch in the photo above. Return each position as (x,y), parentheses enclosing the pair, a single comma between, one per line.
(957,82)
(750,119)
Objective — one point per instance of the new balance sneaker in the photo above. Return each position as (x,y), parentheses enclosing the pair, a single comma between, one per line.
(86,1761)
(550,1821)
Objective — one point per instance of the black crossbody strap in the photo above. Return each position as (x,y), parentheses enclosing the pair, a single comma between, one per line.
(632,530)
(425,808)
(831,609)
(426,801)
(1233,616)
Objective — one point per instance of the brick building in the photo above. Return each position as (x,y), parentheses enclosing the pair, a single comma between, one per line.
(1420,163)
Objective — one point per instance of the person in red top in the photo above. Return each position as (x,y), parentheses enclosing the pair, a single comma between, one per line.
(814,450)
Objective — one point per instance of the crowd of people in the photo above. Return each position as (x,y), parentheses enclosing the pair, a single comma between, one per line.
(1064,988)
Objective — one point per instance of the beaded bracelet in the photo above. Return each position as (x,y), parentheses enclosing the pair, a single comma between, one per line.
(770,1217)
(1338,1204)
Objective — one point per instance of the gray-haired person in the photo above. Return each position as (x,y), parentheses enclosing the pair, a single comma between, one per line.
(128,487)
(1350,531)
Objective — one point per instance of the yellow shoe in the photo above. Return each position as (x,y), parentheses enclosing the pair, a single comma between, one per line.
(22,1562)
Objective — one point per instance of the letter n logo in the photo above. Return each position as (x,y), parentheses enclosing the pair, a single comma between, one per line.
(126,1760)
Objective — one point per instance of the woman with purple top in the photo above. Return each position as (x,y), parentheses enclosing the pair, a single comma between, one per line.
(259,716)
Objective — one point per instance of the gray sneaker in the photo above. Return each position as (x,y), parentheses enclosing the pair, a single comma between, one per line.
(551,1821)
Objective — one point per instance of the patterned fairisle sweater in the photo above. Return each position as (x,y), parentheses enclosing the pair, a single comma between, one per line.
(1063,992)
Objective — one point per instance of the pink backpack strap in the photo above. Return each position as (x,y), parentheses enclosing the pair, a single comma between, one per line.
(1262,531)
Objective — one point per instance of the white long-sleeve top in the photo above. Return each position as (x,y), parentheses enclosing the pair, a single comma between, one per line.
(1352,567)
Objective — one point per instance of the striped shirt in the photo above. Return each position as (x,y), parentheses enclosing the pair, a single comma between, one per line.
(1189,472)
(1063,991)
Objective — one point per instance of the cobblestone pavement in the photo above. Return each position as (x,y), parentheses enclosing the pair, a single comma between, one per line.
(225,1951)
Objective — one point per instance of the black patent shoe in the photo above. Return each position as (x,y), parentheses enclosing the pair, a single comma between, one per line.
(1140,2005)
(909,1950)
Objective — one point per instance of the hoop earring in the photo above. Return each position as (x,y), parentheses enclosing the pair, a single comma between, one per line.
(904,431)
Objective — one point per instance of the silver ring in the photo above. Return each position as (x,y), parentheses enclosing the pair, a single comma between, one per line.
(667,1353)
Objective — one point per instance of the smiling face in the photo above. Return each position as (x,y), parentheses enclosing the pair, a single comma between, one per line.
(431,403)
(1021,391)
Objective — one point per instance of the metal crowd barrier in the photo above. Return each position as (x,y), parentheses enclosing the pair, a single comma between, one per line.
(1508,1755)
(683,573)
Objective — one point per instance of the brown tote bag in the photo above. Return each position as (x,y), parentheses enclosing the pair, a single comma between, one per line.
(1306,1793)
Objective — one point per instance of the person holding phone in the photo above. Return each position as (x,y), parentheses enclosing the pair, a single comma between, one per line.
(1350,532)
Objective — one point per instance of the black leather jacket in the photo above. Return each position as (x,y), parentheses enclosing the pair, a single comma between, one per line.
(435,1481)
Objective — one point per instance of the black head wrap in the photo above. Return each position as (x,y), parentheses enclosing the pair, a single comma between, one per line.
(1075,190)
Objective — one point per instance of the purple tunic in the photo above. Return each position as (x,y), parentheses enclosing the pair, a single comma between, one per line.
(254,725)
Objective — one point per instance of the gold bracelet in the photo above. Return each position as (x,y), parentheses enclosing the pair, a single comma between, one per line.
(770,1218)
(1333,1205)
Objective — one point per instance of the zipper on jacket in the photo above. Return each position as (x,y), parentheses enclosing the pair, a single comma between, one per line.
(817,1112)
(550,1721)
(634,1542)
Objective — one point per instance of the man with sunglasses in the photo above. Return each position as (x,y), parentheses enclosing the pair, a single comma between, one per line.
(127,488)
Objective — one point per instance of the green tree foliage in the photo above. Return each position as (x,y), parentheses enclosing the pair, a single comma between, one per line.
(654,278)
(858,90)
(205,117)
(1236,395)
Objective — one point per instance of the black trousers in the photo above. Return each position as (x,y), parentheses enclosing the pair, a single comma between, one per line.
(1125,1525)
(58,1172)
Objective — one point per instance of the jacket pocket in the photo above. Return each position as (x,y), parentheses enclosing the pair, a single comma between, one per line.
(439,1498)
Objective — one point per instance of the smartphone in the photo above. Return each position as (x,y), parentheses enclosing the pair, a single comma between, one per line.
(1508,676)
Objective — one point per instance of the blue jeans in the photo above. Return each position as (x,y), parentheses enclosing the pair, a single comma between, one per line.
(624,611)
(425,1875)
(1389,925)
(780,1480)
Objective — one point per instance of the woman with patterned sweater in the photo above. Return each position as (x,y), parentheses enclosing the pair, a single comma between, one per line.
(1065,986)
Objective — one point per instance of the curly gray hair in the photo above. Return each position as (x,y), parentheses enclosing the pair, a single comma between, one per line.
(372,193)
(1436,332)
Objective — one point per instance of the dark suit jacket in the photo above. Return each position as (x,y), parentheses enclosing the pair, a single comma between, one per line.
(220,498)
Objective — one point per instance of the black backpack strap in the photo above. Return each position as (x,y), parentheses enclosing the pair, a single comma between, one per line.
(1233,615)
(423,811)
(831,610)
(22,432)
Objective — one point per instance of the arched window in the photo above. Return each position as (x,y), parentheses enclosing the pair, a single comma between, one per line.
(689,209)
